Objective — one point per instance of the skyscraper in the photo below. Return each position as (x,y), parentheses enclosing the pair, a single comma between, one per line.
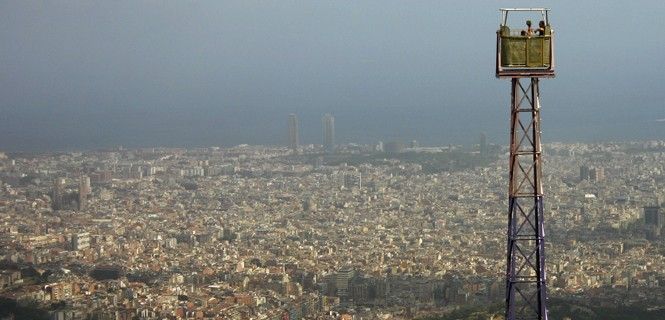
(84,191)
(594,174)
(652,216)
(483,145)
(584,173)
(294,138)
(597,174)
(342,280)
(58,193)
(653,222)
(328,133)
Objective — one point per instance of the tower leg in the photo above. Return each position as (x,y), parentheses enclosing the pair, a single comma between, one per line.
(526,291)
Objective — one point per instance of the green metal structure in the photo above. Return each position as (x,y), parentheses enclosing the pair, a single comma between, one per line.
(522,55)
(525,51)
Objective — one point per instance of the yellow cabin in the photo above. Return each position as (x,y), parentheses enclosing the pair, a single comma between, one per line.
(521,52)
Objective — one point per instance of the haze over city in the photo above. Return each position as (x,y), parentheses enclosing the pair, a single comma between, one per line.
(82,75)
(332,160)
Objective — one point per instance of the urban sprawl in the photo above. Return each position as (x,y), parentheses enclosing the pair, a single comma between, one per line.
(313,232)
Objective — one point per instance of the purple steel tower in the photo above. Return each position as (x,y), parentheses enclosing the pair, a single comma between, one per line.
(525,55)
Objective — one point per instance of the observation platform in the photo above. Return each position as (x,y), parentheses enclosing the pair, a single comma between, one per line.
(525,52)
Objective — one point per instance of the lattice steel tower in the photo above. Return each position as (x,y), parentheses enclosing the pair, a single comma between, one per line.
(525,55)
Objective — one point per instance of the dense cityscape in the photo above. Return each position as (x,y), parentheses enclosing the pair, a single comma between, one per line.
(331,160)
(331,231)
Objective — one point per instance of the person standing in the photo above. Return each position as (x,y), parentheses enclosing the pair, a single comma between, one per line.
(529,29)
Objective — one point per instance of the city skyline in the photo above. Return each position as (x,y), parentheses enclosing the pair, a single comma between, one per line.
(255,232)
(317,160)
(221,73)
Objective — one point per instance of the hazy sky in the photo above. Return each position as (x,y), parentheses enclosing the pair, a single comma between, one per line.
(89,74)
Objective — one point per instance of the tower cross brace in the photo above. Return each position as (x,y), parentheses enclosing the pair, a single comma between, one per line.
(526,291)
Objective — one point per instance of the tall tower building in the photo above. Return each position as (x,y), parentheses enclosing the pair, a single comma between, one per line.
(328,133)
(483,145)
(294,138)
(342,280)
(594,174)
(653,222)
(58,193)
(652,216)
(584,173)
(597,174)
(84,191)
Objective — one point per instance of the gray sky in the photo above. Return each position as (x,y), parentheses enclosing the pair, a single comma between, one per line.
(89,74)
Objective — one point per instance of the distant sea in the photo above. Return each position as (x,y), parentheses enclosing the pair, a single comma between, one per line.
(63,132)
